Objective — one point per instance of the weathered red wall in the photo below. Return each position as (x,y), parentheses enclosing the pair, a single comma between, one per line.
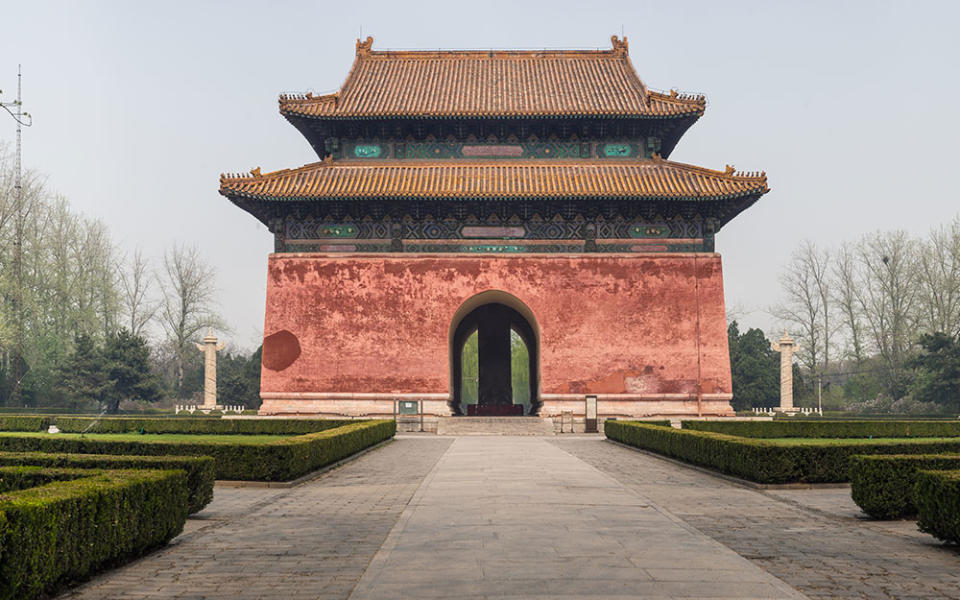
(342,327)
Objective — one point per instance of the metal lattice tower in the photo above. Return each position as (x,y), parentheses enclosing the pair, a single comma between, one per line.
(15,109)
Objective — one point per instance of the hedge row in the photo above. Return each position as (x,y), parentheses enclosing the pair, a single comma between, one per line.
(883,485)
(829,429)
(199,469)
(763,461)
(199,425)
(67,530)
(24,423)
(280,460)
(937,495)
(17,478)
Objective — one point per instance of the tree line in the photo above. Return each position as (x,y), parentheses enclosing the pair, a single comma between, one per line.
(83,324)
(877,321)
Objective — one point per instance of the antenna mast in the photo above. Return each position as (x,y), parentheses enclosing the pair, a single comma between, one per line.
(23,120)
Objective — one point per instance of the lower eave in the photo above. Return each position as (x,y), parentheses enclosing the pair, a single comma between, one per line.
(718,210)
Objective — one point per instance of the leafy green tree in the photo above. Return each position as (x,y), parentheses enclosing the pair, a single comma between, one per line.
(938,366)
(238,379)
(128,366)
(520,371)
(754,367)
(84,375)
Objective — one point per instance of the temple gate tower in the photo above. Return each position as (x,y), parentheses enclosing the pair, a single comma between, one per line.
(514,196)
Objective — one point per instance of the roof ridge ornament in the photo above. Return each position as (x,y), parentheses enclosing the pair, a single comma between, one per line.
(364,46)
(730,170)
(620,47)
(255,172)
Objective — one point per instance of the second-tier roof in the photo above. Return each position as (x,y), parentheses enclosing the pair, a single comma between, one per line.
(637,179)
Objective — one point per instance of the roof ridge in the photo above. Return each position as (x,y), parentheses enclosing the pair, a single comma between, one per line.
(619,49)
(729,171)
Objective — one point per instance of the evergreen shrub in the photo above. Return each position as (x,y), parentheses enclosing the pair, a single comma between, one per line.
(200,469)
(280,460)
(204,425)
(937,495)
(883,485)
(24,423)
(829,429)
(67,530)
(764,461)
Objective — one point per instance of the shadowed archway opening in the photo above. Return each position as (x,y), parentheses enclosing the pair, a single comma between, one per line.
(495,357)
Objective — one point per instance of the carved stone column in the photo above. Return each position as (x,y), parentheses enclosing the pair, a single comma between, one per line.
(209,347)
(786,347)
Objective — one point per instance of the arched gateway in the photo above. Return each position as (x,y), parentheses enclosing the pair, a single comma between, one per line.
(498,320)
(461,193)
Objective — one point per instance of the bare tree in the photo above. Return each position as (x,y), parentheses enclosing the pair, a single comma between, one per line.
(139,307)
(807,304)
(847,282)
(888,300)
(939,274)
(188,299)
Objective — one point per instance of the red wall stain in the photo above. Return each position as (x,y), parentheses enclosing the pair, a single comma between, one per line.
(280,350)
(608,324)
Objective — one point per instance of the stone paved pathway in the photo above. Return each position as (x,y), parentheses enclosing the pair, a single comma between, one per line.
(527,517)
(812,539)
(518,517)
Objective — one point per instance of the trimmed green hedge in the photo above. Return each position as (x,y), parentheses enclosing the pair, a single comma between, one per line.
(280,460)
(937,495)
(199,469)
(17,478)
(763,461)
(883,485)
(200,425)
(67,530)
(24,423)
(829,429)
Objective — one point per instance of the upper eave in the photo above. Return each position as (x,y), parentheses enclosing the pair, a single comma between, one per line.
(492,84)
(648,179)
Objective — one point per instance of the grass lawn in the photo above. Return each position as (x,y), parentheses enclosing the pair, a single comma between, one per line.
(849,441)
(155,437)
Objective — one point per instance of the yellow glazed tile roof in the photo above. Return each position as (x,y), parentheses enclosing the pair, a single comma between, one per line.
(474,179)
(507,83)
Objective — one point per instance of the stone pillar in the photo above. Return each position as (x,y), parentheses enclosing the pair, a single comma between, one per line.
(209,347)
(786,347)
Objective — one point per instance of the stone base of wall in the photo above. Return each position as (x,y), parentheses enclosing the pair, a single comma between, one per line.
(608,406)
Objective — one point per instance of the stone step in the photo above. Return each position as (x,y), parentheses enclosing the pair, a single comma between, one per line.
(495,426)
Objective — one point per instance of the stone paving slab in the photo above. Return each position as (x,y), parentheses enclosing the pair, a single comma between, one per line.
(816,539)
(518,516)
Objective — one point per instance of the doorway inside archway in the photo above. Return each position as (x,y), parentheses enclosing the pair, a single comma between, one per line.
(495,363)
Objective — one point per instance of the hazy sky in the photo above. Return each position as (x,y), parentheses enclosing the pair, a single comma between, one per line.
(850,108)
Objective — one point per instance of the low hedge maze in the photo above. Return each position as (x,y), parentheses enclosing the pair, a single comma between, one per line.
(829,429)
(199,469)
(760,460)
(279,460)
(62,525)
